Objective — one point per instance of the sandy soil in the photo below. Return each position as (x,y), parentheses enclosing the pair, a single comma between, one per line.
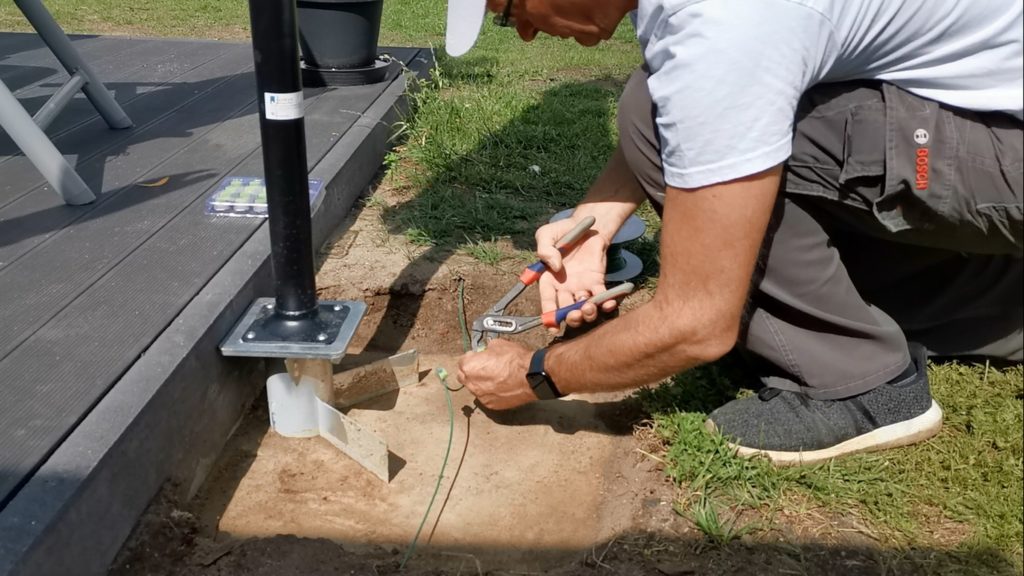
(528,489)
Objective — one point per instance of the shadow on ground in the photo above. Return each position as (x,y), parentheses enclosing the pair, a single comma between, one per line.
(181,552)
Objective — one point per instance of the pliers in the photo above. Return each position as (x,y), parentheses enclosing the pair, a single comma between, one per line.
(489,325)
(495,321)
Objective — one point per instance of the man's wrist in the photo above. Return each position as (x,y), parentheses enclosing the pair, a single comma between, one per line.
(539,380)
(607,219)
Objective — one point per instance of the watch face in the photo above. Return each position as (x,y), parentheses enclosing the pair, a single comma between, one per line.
(536,379)
(541,386)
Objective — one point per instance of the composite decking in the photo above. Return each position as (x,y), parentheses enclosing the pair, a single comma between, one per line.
(110,313)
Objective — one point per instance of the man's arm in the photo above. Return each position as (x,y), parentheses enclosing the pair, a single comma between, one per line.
(613,197)
(710,241)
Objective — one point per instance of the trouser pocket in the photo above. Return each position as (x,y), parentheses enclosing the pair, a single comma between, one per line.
(953,179)
(839,144)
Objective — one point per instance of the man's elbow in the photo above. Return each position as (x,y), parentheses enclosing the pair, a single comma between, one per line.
(703,335)
(714,341)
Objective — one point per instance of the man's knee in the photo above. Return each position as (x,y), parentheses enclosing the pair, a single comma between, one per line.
(638,135)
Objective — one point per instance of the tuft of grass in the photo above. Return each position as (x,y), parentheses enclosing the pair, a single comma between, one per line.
(418,237)
(971,475)
(705,516)
(489,253)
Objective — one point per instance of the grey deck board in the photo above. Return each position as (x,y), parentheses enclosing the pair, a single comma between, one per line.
(38,215)
(99,52)
(87,289)
(14,42)
(53,275)
(92,141)
(39,63)
(164,61)
(116,224)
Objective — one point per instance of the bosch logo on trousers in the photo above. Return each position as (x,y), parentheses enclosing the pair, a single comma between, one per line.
(921,136)
(921,178)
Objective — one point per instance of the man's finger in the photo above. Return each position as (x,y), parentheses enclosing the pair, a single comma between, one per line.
(589,312)
(565,298)
(546,237)
(460,372)
(548,294)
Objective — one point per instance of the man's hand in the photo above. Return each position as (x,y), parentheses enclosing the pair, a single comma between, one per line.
(577,276)
(497,375)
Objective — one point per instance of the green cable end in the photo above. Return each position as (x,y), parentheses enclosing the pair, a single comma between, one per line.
(441,373)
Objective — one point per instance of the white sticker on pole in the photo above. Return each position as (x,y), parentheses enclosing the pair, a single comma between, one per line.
(286,106)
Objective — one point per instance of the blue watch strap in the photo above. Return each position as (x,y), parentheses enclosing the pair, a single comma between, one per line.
(539,379)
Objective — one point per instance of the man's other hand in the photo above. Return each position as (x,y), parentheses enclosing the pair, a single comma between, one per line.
(576,276)
(497,375)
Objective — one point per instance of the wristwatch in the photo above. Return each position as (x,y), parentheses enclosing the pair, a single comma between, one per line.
(539,380)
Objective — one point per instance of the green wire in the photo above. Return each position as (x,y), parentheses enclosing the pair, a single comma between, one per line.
(462,316)
(443,375)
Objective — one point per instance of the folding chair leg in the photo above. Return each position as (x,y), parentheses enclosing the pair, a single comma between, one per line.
(51,33)
(38,148)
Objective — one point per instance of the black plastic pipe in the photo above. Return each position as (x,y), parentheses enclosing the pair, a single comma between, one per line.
(282,129)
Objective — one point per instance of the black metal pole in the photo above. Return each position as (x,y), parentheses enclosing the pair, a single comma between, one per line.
(282,129)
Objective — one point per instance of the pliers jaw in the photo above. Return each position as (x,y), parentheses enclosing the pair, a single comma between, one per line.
(495,322)
(490,325)
(476,340)
(478,335)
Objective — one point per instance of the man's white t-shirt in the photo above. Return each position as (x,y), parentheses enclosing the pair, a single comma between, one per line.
(726,75)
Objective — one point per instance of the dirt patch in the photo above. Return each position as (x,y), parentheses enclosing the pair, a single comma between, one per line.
(527,488)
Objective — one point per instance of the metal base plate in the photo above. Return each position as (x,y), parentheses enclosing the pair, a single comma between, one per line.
(260,333)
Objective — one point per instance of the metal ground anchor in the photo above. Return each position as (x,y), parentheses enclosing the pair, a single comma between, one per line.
(302,404)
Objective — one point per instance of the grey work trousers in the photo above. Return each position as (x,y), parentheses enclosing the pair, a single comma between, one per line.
(898,219)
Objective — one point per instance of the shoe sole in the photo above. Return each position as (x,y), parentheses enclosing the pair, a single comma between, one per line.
(903,433)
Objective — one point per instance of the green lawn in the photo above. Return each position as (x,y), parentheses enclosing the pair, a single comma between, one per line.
(960,492)
(186,18)
(461,179)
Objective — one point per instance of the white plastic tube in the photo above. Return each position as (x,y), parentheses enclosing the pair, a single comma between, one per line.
(293,407)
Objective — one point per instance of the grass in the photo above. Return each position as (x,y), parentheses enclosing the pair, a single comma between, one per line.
(504,138)
(461,181)
(964,485)
(705,515)
(186,19)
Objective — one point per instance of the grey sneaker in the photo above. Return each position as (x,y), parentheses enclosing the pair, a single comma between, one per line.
(790,428)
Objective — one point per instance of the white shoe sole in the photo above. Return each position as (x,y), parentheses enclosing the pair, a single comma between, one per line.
(903,433)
